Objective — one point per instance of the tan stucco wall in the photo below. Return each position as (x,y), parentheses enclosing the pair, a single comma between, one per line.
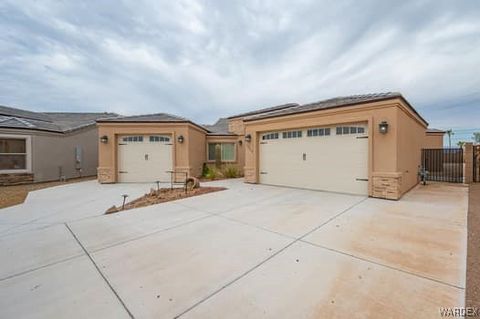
(386,167)
(107,165)
(196,153)
(411,140)
(55,152)
(433,140)
(239,149)
(236,126)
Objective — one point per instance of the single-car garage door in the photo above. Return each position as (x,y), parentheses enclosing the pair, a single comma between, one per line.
(144,158)
(333,158)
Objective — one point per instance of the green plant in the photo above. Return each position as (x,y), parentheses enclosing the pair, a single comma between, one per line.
(211,173)
(476,137)
(230,172)
(205,170)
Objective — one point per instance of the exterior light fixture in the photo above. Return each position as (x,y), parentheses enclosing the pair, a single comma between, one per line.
(180,139)
(383,127)
(104,139)
(248,138)
(240,142)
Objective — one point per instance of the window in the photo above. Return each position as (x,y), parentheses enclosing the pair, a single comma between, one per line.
(270,136)
(133,139)
(344,130)
(226,150)
(292,134)
(156,138)
(318,132)
(13,154)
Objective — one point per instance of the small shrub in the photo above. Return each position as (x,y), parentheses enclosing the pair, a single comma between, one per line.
(211,173)
(205,170)
(230,172)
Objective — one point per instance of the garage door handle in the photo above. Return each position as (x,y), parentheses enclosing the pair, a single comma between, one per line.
(122,172)
(362,136)
(362,179)
(263,173)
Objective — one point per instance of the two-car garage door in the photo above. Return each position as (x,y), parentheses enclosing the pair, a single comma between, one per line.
(144,158)
(326,158)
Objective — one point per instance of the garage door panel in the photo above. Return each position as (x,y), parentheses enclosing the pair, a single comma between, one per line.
(144,161)
(331,163)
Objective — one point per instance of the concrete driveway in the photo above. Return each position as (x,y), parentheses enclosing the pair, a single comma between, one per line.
(250,251)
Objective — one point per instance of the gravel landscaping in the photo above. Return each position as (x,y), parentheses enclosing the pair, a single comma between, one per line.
(163,195)
(473,258)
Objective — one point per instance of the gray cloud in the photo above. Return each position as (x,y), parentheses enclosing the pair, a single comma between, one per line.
(205,59)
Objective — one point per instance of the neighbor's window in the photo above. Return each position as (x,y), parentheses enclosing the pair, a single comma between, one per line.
(227,151)
(13,153)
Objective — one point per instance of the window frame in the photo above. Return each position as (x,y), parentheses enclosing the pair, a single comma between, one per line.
(222,160)
(28,153)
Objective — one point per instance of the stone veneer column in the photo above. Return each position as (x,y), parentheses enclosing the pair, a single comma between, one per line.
(387,185)
(467,163)
(105,175)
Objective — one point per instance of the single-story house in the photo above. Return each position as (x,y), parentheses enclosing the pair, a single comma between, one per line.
(362,144)
(38,147)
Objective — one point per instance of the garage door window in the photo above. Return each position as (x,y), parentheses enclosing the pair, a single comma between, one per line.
(318,132)
(157,138)
(13,154)
(270,136)
(138,139)
(227,151)
(345,130)
(292,134)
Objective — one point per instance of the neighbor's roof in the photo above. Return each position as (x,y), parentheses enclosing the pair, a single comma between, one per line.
(153,118)
(265,110)
(14,118)
(434,130)
(333,103)
(219,128)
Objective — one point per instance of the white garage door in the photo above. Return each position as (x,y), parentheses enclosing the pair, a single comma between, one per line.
(144,158)
(325,158)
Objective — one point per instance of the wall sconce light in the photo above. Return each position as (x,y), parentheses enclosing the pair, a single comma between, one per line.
(240,142)
(248,138)
(180,139)
(383,127)
(104,139)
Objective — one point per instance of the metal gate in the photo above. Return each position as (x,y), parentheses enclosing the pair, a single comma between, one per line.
(476,163)
(443,164)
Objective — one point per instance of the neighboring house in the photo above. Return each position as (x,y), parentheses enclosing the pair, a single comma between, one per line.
(363,144)
(37,147)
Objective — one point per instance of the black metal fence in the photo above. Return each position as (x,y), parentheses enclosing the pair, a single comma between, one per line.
(443,164)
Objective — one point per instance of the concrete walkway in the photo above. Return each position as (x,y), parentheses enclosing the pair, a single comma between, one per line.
(250,251)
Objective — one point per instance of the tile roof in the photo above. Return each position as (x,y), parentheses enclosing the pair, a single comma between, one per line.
(265,110)
(147,118)
(219,128)
(434,130)
(157,117)
(53,122)
(332,103)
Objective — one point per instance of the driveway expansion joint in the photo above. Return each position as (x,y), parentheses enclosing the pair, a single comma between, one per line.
(100,272)
(382,265)
(299,239)
(40,267)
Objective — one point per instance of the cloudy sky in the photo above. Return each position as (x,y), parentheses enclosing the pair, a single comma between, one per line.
(206,59)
